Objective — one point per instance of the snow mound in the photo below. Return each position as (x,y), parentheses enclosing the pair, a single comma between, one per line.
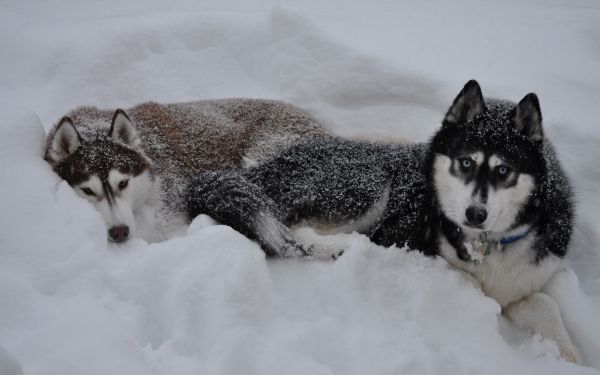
(209,302)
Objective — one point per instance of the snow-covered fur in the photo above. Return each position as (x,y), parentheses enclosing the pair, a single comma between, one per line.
(123,161)
(486,193)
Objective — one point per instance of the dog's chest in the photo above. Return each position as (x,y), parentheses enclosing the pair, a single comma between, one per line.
(507,275)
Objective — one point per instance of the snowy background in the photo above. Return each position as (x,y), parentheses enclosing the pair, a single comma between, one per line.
(209,302)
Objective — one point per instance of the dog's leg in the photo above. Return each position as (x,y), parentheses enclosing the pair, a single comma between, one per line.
(232,200)
(540,313)
(470,279)
(275,236)
(579,314)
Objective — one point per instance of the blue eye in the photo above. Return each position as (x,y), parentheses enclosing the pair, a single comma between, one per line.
(502,170)
(466,163)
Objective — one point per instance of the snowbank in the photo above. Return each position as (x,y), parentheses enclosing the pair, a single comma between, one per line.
(209,302)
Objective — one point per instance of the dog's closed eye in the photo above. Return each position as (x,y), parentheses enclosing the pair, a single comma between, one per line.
(88,191)
(123,184)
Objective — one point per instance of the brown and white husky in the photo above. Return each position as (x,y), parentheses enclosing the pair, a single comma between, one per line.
(123,162)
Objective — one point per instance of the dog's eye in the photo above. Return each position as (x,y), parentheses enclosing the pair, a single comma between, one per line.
(88,191)
(502,171)
(123,184)
(466,164)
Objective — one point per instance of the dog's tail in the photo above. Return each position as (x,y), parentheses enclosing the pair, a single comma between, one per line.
(231,199)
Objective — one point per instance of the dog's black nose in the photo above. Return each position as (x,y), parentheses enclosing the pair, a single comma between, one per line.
(118,234)
(476,215)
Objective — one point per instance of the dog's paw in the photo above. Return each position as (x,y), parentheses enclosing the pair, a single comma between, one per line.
(274,237)
(292,248)
(569,353)
(337,255)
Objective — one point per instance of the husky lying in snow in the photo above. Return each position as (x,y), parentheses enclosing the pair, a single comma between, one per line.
(120,167)
(486,193)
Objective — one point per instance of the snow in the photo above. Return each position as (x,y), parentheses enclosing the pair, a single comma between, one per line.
(209,302)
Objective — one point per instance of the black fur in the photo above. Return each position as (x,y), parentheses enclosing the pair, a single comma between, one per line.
(335,180)
(328,180)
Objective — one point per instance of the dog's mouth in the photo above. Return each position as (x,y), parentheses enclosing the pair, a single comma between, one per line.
(117,241)
(479,227)
(476,229)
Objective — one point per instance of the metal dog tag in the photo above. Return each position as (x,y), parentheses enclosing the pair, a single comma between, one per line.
(482,247)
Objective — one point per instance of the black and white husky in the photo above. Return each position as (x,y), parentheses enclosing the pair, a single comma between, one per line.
(124,162)
(486,193)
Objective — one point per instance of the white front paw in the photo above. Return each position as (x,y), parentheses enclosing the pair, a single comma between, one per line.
(569,353)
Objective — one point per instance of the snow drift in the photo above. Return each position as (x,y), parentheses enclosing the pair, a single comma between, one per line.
(209,302)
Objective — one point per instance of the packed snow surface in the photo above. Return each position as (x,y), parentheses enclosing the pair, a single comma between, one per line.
(209,302)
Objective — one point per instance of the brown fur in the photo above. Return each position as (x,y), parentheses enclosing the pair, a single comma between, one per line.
(186,138)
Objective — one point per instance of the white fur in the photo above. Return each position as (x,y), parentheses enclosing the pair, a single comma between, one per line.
(125,203)
(540,313)
(502,204)
(515,281)
(511,276)
(495,161)
(249,163)
(361,224)
(477,157)
(65,135)
(273,233)
(505,276)
(508,275)
(95,185)
(453,194)
(278,236)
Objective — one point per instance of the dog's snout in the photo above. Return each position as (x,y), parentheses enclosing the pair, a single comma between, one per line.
(118,234)
(476,215)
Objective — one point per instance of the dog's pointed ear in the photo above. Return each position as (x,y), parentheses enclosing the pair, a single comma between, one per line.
(123,131)
(64,141)
(468,104)
(528,118)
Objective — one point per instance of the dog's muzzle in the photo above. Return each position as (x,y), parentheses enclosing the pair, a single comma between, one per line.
(118,234)
(476,215)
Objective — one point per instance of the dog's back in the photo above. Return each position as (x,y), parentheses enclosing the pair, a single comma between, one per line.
(183,139)
(172,142)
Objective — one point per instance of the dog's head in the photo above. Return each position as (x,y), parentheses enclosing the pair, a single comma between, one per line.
(487,160)
(106,167)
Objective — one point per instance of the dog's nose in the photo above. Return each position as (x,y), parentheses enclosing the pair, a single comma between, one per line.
(118,234)
(476,215)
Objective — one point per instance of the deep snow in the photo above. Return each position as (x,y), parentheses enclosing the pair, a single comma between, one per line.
(209,302)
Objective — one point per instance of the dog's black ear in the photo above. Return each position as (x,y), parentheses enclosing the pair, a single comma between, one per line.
(468,104)
(528,118)
(64,141)
(122,130)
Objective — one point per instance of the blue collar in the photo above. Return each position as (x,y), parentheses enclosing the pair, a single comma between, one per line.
(514,238)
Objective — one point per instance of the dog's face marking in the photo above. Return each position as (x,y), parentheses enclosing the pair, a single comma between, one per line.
(482,183)
(109,171)
(487,157)
(90,189)
(112,198)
